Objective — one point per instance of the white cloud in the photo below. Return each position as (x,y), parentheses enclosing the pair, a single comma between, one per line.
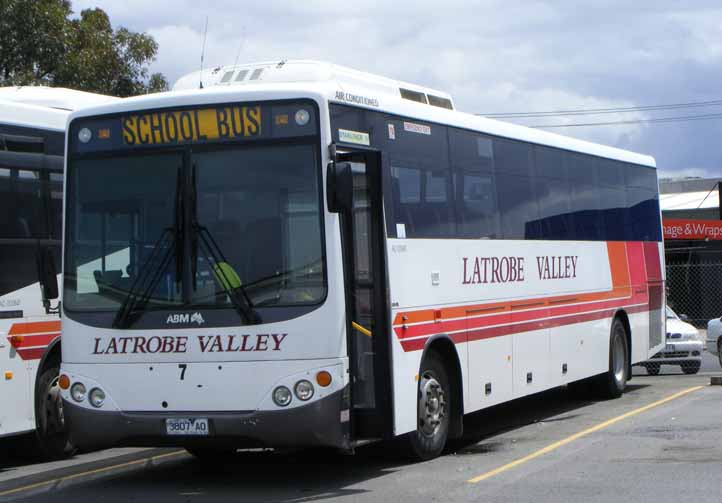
(491,55)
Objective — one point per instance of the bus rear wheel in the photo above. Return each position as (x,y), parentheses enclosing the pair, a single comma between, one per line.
(612,383)
(52,435)
(433,409)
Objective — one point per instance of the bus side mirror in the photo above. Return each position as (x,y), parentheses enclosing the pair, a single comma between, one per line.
(48,277)
(339,187)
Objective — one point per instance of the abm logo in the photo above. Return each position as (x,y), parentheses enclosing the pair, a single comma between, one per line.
(179,318)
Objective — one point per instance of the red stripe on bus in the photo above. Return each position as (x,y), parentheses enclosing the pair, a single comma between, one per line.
(511,317)
(502,330)
(31,354)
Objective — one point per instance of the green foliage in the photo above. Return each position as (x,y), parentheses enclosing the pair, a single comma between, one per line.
(41,44)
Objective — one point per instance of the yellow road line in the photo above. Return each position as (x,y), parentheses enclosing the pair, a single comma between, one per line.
(572,438)
(88,473)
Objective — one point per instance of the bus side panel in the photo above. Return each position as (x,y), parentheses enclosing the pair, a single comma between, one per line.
(36,331)
(16,411)
(440,288)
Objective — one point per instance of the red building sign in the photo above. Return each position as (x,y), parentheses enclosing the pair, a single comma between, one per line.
(678,228)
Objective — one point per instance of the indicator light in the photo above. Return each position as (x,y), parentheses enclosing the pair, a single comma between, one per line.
(323,378)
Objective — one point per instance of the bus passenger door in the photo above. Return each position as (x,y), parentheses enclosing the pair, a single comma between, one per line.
(363,239)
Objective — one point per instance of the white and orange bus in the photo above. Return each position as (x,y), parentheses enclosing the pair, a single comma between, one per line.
(302,254)
(32,140)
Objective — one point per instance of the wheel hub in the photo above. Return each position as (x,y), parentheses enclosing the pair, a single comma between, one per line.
(432,405)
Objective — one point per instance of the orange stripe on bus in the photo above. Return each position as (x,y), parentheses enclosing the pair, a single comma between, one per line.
(34,327)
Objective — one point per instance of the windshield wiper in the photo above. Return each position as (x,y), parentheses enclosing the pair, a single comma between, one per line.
(149,275)
(202,239)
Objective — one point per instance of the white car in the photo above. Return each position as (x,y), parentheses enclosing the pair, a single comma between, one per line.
(684,347)
(714,338)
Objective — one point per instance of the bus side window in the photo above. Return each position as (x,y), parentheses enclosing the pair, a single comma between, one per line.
(472,162)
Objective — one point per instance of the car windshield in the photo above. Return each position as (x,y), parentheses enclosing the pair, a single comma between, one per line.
(671,315)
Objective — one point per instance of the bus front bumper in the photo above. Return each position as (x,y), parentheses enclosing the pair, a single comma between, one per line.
(322,423)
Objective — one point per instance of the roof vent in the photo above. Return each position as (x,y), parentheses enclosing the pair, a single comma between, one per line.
(256,74)
(227,76)
(416,96)
(241,75)
(438,101)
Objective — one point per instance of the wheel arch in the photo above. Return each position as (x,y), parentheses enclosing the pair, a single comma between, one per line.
(52,353)
(443,345)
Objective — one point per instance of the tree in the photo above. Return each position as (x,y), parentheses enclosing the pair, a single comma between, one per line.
(41,44)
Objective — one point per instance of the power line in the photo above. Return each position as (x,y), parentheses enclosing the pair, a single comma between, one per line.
(599,111)
(661,120)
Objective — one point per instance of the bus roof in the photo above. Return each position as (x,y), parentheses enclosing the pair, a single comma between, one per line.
(44,107)
(338,84)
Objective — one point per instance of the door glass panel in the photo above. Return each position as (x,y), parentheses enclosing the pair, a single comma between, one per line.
(362,291)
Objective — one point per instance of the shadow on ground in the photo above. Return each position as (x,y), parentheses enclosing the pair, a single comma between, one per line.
(306,475)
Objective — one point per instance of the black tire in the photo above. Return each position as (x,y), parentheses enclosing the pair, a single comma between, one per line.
(52,437)
(611,384)
(433,410)
(690,368)
(653,368)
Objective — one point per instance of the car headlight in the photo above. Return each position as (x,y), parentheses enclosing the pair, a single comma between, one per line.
(77,391)
(282,396)
(96,397)
(303,390)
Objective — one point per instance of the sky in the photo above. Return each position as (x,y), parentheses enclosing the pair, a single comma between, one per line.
(492,56)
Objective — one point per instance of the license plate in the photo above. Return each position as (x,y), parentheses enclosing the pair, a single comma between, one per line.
(187,426)
(669,347)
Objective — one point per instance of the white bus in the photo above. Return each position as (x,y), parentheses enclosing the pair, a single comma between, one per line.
(302,254)
(32,140)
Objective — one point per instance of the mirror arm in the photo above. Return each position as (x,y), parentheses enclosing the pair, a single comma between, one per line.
(49,309)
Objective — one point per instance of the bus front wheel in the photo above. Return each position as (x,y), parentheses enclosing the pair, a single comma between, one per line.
(433,412)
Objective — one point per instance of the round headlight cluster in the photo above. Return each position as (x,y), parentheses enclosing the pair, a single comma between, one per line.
(78,391)
(282,396)
(96,397)
(303,390)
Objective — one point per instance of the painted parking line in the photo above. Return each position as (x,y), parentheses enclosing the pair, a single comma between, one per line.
(576,436)
(89,473)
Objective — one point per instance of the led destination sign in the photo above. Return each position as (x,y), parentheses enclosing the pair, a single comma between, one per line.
(174,127)
(203,124)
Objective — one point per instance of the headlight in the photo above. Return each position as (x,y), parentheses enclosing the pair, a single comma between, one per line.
(77,391)
(282,396)
(96,397)
(303,390)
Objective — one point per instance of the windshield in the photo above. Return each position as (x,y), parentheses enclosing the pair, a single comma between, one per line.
(671,315)
(191,231)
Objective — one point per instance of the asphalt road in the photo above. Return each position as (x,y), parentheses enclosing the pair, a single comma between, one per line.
(552,447)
